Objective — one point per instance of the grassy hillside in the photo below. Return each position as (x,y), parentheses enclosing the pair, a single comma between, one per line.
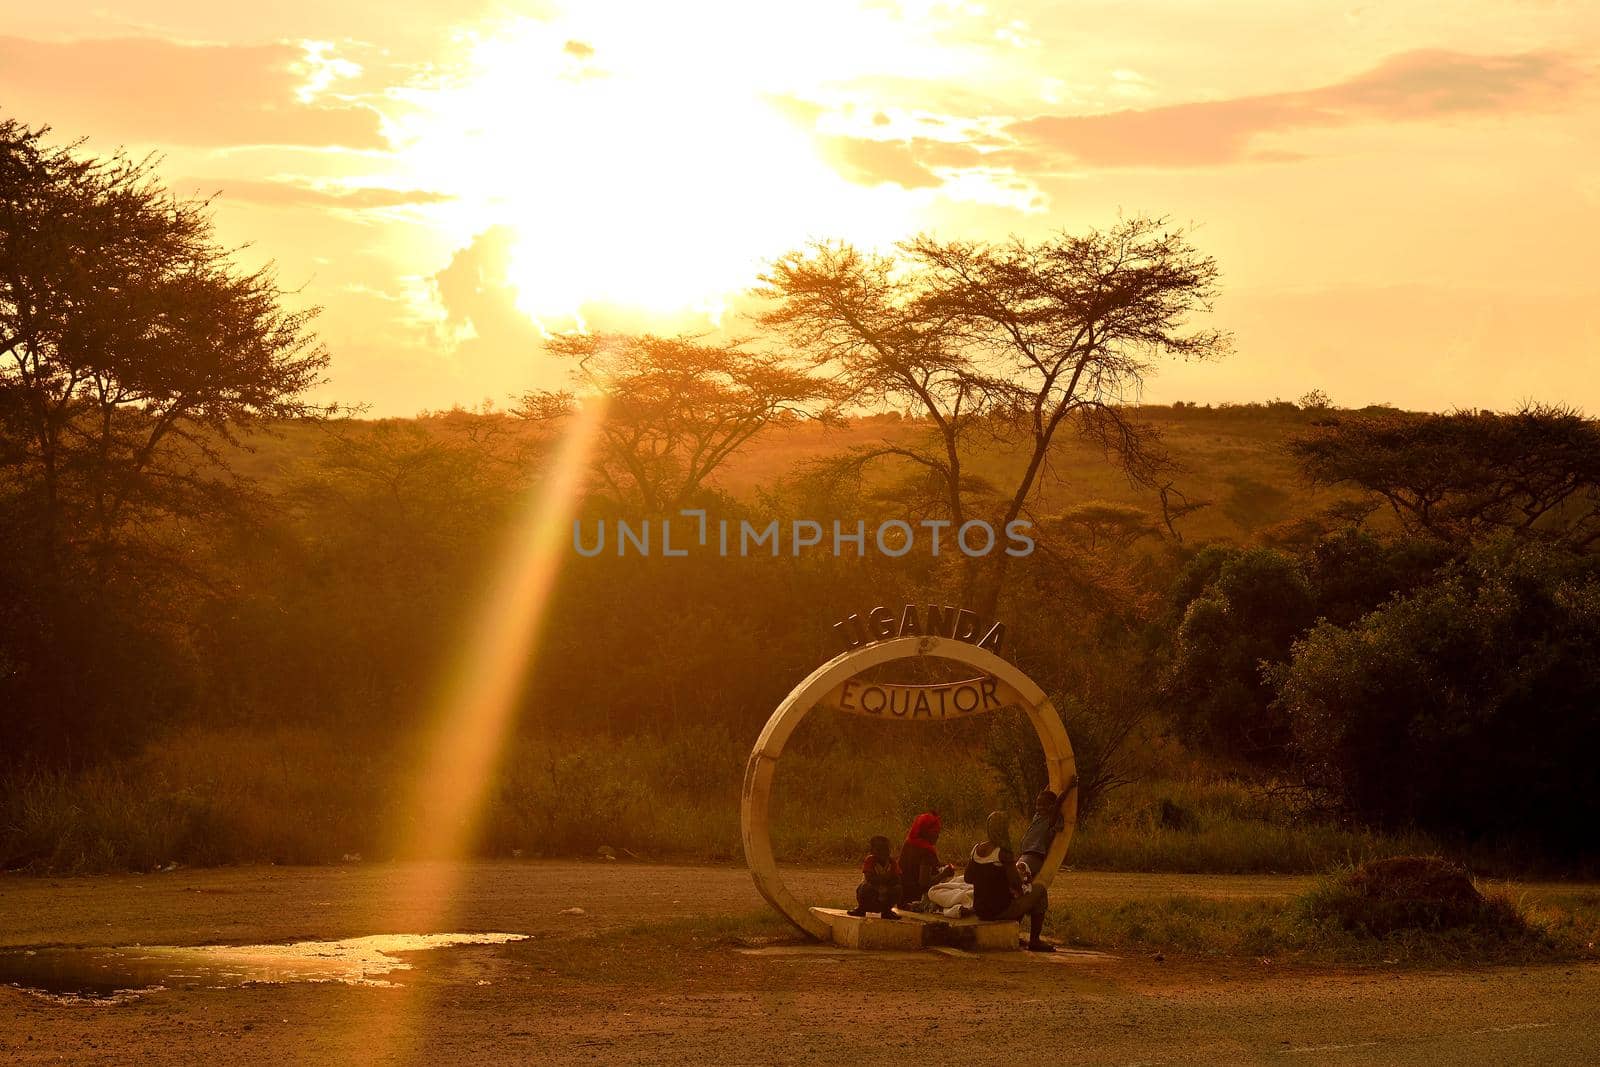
(1231,457)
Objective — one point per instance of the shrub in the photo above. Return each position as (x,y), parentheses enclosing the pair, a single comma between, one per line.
(1250,614)
(1404,893)
(1352,572)
(1470,708)
(1417,906)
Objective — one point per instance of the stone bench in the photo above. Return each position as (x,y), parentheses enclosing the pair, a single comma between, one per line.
(914,930)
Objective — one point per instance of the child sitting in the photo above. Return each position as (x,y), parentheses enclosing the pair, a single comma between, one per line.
(880,881)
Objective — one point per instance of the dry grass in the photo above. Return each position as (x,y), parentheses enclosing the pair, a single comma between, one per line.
(1337,922)
(208,797)
(1232,456)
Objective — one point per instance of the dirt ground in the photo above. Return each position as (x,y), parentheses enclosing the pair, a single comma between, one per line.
(583,988)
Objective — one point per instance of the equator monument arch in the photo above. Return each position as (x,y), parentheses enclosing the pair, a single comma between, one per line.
(849,684)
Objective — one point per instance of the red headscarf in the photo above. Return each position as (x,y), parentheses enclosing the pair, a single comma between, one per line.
(921,827)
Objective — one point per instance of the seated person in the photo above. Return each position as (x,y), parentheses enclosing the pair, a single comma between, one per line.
(997,889)
(919,860)
(880,881)
(1048,821)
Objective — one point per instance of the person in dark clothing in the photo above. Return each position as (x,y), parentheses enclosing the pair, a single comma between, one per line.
(880,881)
(919,859)
(997,888)
(1048,821)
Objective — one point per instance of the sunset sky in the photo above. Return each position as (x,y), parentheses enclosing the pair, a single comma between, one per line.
(1404,197)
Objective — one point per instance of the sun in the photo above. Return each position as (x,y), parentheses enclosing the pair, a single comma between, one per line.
(646,177)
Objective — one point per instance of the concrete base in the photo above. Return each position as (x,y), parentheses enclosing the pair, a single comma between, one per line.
(871,931)
(973,933)
(915,930)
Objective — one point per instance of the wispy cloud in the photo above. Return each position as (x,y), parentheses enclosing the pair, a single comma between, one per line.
(908,163)
(1418,86)
(283,193)
(152,90)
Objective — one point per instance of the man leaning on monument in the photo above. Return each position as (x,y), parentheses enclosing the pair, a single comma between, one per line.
(1048,820)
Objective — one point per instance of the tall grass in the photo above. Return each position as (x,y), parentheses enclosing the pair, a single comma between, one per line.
(1316,926)
(1224,826)
(301,796)
(202,798)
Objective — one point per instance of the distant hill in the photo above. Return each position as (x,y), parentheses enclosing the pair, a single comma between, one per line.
(1232,456)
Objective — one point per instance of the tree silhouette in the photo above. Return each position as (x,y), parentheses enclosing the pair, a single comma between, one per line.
(1016,340)
(1460,476)
(675,409)
(132,351)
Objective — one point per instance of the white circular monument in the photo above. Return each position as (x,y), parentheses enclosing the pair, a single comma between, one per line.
(840,685)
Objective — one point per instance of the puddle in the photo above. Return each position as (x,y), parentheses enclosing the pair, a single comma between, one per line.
(834,954)
(76,975)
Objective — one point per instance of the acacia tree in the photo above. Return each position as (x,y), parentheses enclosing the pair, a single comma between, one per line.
(132,351)
(675,410)
(1456,477)
(857,314)
(1016,339)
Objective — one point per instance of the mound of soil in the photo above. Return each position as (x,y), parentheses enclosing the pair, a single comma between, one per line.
(1411,893)
(1425,879)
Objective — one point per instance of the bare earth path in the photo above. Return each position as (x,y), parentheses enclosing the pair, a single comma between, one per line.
(583,989)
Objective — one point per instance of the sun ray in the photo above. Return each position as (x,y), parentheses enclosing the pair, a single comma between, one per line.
(439,823)
(479,696)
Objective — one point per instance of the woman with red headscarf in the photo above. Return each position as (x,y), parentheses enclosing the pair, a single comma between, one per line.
(919,859)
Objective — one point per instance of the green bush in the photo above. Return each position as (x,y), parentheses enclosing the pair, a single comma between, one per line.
(1249,614)
(1470,708)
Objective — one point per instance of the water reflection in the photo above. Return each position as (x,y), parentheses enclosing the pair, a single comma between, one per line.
(110,974)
